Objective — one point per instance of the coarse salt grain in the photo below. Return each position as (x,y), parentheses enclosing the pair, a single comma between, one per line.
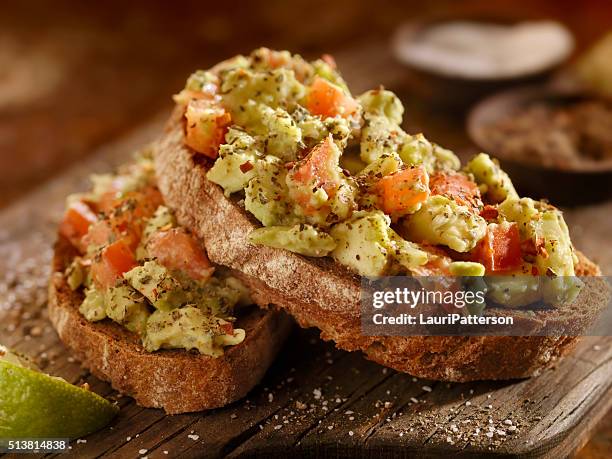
(193,437)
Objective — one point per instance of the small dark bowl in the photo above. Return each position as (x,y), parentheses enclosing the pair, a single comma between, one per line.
(457,91)
(582,183)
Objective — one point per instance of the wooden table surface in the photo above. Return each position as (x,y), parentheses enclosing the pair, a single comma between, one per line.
(73,78)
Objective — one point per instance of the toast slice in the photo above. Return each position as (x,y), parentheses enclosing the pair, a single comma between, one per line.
(321,293)
(175,380)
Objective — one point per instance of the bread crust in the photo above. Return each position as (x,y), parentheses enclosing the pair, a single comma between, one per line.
(323,294)
(175,380)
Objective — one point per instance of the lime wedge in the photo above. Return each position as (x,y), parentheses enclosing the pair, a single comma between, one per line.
(36,405)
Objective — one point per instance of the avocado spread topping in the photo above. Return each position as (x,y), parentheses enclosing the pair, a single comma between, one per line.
(138,268)
(329,173)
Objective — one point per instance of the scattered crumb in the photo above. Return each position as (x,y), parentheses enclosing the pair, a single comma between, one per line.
(193,437)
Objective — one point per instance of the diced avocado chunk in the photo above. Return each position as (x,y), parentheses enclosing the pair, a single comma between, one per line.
(521,290)
(417,150)
(314,129)
(126,306)
(361,243)
(384,103)
(407,254)
(200,79)
(466,268)
(379,137)
(75,274)
(162,219)
(442,221)
(496,184)
(266,194)
(216,297)
(445,159)
(377,169)
(522,211)
(545,226)
(283,136)
(302,239)
(232,170)
(187,328)
(558,256)
(236,163)
(244,90)
(514,291)
(156,283)
(367,244)
(92,306)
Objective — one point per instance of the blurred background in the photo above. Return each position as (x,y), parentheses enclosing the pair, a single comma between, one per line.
(75,75)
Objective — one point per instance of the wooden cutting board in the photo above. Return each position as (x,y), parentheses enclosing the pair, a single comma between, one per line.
(315,399)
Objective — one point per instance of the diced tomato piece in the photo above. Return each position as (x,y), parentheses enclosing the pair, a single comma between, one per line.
(176,249)
(76,222)
(326,99)
(489,212)
(206,125)
(125,216)
(146,201)
(500,249)
(99,234)
(402,190)
(456,186)
(227,328)
(114,260)
(314,171)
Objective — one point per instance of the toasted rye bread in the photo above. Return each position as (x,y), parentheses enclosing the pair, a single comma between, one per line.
(175,380)
(321,293)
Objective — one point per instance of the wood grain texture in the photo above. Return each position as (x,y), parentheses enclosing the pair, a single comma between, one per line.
(315,400)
